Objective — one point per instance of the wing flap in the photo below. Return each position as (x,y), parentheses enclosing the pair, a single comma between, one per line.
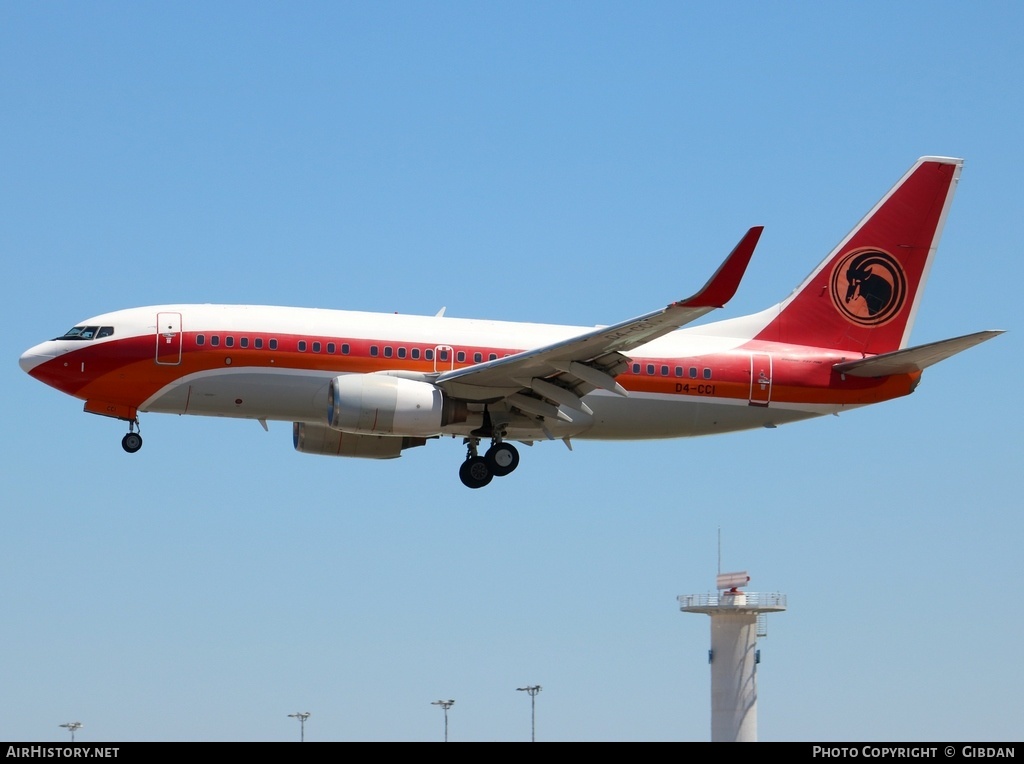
(913,359)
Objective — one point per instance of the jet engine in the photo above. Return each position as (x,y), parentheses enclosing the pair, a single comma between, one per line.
(318,439)
(380,404)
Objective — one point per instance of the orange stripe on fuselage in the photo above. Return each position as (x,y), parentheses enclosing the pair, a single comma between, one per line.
(875,391)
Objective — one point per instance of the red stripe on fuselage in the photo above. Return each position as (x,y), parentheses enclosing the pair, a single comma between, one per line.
(124,371)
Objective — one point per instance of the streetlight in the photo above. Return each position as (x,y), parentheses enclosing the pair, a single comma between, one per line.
(532,689)
(445,704)
(301,716)
(72,727)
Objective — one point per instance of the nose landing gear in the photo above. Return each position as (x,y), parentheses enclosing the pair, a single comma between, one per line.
(132,442)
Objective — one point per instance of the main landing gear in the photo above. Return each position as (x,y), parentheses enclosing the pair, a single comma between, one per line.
(499,460)
(132,442)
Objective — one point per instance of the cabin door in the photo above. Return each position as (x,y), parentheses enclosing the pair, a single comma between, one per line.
(168,339)
(760,379)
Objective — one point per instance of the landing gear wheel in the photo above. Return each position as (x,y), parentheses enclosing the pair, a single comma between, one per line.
(131,442)
(502,458)
(475,472)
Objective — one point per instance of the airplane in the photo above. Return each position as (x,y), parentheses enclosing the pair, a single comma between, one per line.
(373,385)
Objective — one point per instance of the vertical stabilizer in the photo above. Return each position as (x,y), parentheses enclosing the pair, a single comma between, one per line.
(864,296)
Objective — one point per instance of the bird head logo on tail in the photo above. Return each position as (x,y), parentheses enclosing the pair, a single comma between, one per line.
(869,287)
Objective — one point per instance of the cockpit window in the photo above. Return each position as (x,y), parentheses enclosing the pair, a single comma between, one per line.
(80,333)
(87,333)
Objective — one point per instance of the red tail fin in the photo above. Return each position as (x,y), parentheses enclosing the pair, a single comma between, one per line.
(864,296)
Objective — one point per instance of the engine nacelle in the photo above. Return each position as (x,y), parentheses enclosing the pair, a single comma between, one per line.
(319,439)
(380,404)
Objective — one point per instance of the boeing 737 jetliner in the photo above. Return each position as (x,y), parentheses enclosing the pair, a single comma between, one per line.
(372,385)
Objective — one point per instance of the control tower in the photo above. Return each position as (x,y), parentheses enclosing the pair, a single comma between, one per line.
(738,618)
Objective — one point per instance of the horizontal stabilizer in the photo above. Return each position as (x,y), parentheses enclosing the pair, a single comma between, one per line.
(913,359)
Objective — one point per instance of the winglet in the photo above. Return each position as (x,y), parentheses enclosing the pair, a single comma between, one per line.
(723,285)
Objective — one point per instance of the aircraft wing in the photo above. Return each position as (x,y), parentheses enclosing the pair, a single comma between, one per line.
(561,373)
(913,359)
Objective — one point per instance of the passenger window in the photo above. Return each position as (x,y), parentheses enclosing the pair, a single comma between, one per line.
(387,351)
(442,355)
(302,346)
(415,353)
(273,344)
(679,371)
(257,343)
(345,348)
(428,354)
(707,373)
(664,371)
(693,372)
(229,342)
(636,368)
(200,339)
(401,352)
(650,368)
(316,347)
(492,356)
(243,342)
(331,347)
(215,340)
(374,351)
(462,356)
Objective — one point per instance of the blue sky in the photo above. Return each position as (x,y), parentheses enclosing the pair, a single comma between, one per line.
(556,162)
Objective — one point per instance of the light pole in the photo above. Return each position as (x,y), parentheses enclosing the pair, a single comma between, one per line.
(72,727)
(532,689)
(445,704)
(301,716)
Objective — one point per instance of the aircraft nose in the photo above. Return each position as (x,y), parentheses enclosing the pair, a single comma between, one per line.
(34,356)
